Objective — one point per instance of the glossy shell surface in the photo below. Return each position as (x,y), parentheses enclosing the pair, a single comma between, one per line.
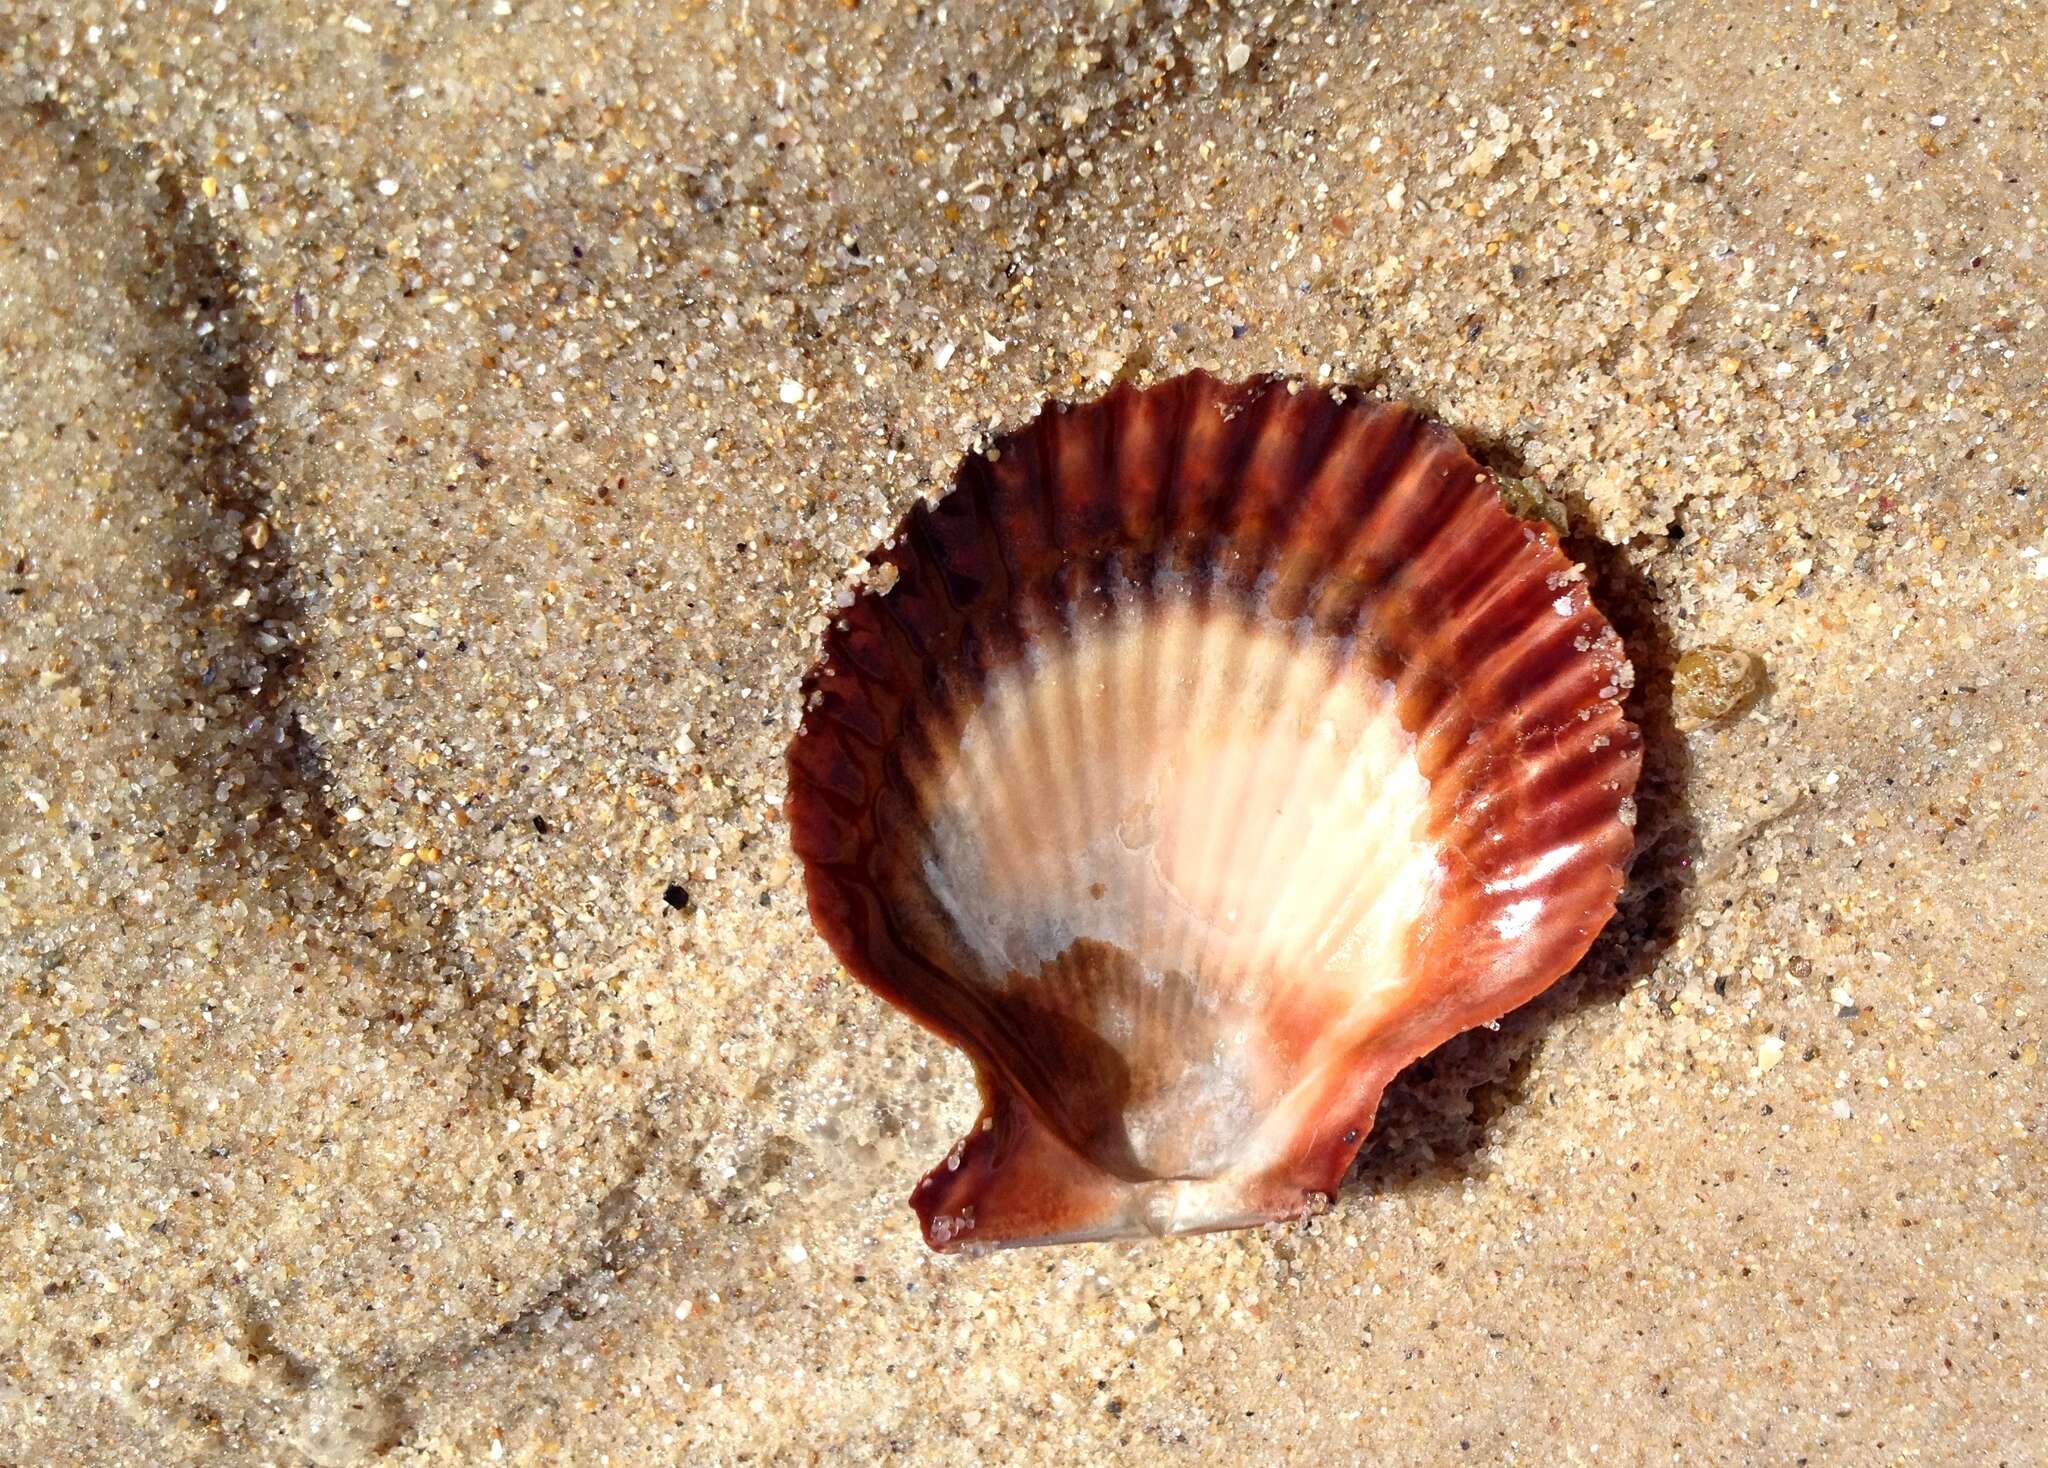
(1217,750)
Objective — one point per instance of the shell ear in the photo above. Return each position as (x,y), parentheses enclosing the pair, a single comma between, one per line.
(1013,1169)
(1012,1182)
(1218,750)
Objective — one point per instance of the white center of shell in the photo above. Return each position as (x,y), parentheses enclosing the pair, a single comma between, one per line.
(1226,802)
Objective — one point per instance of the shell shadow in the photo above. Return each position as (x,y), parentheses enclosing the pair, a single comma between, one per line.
(1435,1116)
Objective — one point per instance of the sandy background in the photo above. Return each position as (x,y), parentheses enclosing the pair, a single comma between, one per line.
(409,547)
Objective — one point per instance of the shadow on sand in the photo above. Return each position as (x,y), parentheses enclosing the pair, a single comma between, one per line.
(1434,1117)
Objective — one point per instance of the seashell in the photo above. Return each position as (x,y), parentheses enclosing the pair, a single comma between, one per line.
(1217,751)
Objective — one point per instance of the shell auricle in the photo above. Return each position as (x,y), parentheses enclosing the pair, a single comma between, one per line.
(1218,750)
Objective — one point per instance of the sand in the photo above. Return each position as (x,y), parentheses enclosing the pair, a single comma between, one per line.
(432,437)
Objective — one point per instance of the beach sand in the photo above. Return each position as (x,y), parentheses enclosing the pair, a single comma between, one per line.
(432,439)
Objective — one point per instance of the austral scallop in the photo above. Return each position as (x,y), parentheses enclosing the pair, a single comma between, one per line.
(1218,750)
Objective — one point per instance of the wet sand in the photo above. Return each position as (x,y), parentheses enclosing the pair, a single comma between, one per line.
(432,438)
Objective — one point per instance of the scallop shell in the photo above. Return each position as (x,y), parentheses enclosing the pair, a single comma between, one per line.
(1218,750)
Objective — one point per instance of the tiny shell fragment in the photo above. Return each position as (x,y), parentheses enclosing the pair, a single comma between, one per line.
(1713,684)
